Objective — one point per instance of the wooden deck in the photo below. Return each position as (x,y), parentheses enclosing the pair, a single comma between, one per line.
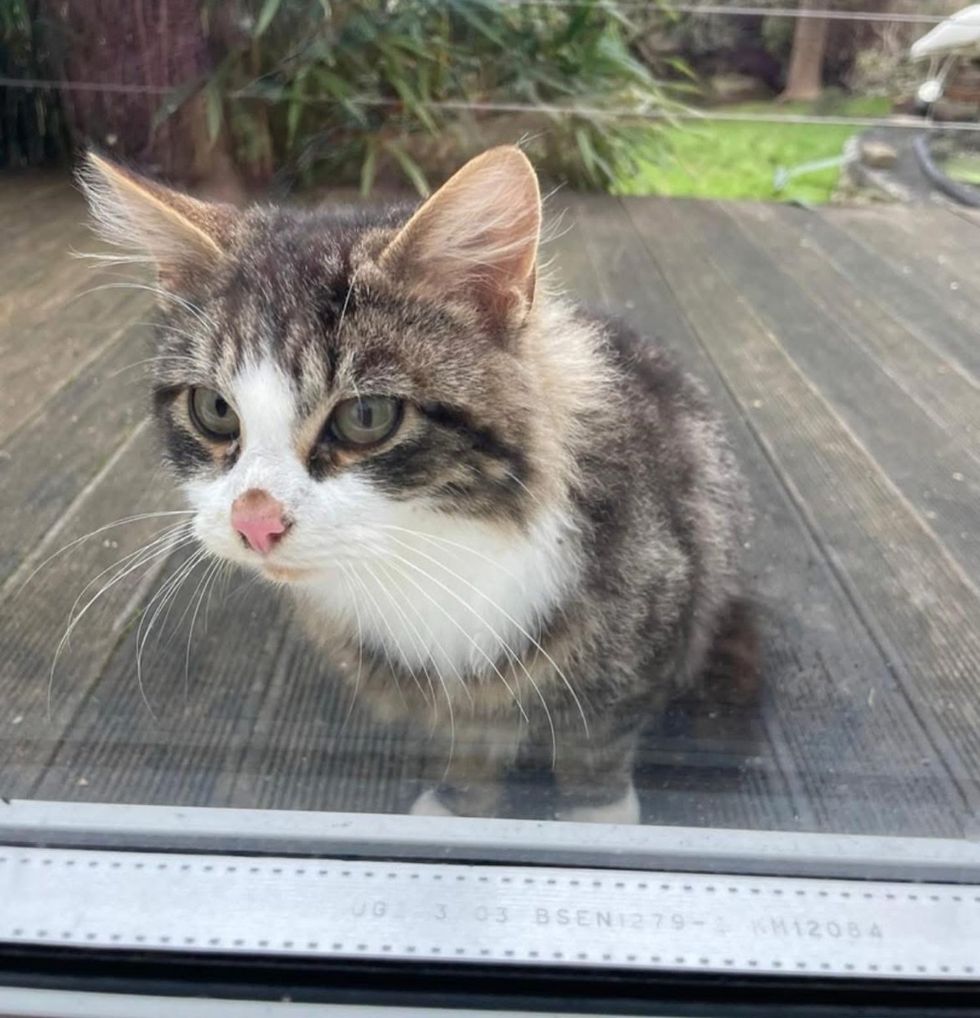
(843,348)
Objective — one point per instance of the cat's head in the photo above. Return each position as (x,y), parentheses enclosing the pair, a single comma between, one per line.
(324,378)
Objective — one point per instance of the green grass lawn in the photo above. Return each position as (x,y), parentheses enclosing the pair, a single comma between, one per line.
(964,166)
(716,159)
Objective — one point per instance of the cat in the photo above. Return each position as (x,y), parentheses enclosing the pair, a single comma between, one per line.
(502,517)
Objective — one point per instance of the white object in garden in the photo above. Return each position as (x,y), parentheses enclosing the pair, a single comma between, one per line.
(959,33)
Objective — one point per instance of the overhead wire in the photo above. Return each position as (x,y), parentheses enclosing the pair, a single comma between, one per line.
(556,109)
(549,109)
(745,10)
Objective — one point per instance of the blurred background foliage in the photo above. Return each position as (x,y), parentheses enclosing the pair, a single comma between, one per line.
(358,92)
(368,90)
(33,129)
(231,97)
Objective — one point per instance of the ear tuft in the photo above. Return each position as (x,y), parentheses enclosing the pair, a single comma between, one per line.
(476,238)
(180,234)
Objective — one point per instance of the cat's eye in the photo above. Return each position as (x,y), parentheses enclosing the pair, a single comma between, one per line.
(366,420)
(212,414)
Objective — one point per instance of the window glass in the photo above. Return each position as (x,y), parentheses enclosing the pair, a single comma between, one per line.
(632,477)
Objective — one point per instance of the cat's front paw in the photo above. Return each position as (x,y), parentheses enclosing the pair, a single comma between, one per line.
(625,810)
(428,804)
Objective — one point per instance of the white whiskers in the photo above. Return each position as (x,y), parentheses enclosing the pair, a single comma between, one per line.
(204,587)
(153,550)
(447,542)
(101,530)
(399,650)
(413,632)
(452,621)
(384,644)
(157,291)
(348,585)
(162,598)
(503,611)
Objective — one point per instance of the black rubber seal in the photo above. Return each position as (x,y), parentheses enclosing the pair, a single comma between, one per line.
(441,987)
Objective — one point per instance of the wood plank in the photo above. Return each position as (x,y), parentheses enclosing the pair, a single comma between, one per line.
(57,312)
(835,744)
(918,603)
(42,267)
(940,387)
(260,721)
(702,764)
(967,215)
(938,246)
(48,463)
(28,228)
(21,187)
(922,309)
(34,609)
(176,737)
(835,762)
(20,192)
(904,241)
(51,273)
(924,434)
(959,237)
(310,750)
(66,345)
(921,246)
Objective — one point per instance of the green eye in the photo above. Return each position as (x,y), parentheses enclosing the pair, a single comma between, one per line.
(213,415)
(367,420)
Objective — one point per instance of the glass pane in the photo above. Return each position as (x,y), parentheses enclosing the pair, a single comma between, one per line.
(308,503)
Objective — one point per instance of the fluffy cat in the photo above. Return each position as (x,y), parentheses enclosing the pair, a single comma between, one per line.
(502,517)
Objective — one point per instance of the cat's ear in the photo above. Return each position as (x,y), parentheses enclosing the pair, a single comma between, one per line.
(476,238)
(181,235)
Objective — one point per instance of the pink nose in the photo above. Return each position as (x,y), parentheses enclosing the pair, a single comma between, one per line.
(258,517)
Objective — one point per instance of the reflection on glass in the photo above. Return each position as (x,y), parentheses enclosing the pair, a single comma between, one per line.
(665,510)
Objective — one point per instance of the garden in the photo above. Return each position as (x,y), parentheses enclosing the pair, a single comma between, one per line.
(665,98)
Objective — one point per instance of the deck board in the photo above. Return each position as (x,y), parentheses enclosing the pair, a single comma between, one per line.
(830,669)
(604,260)
(921,309)
(69,348)
(62,446)
(934,428)
(848,380)
(943,265)
(921,606)
(936,383)
(34,611)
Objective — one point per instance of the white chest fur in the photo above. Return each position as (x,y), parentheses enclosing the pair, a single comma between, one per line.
(451,595)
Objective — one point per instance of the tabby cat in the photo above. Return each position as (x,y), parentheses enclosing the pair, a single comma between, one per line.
(504,518)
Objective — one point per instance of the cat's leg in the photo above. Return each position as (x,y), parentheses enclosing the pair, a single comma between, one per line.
(594,777)
(471,780)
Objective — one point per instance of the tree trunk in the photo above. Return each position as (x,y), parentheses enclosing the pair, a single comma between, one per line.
(804,80)
(119,60)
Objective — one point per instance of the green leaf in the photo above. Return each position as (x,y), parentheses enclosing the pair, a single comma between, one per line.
(680,65)
(293,115)
(295,109)
(479,24)
(596,167)
(369,167)
(335,87)
(268,12)
(215,110)
(410,168)
(586,150)
(413,104)
(335,77)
